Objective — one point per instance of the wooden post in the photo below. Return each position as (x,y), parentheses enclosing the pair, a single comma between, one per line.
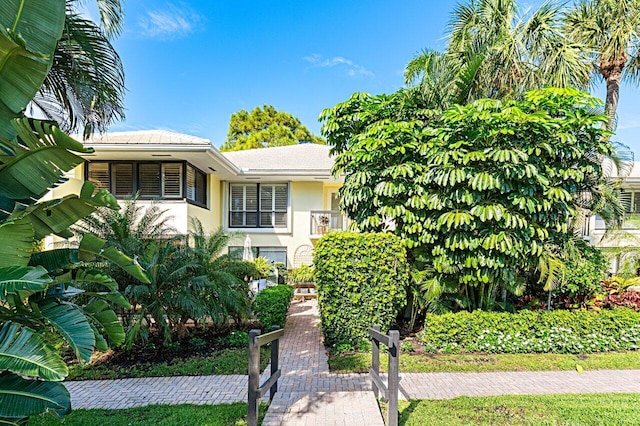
(394,379)
(275,347)
(375,360)
(254,377)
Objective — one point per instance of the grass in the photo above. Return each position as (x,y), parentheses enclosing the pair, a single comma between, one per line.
(156,415)
(226,361)
(580,409)
(426,363)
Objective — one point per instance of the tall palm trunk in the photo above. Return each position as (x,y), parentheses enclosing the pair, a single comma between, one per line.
(611,71)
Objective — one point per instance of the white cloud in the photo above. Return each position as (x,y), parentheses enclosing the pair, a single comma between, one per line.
(170,22)
(351,69)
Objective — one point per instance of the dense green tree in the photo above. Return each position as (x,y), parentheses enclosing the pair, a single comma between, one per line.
(478,192)
(266,127)
(610,30)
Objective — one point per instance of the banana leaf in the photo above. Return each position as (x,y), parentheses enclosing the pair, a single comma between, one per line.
(56,216)
(25,352)
(72,324)
(92,247)
(16,242)
(20,398)
(41,163)
(29,32)
(22,281)
(109,324)
(54,260)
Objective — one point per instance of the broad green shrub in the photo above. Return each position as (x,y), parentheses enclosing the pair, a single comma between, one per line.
(361,280)
(271,305)
(302,274)
(559,331)
(586,267)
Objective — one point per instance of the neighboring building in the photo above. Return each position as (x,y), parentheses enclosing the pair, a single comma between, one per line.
(594,229)
(284,198)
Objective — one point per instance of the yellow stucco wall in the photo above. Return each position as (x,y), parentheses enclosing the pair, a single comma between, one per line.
(210,218)
(304,196)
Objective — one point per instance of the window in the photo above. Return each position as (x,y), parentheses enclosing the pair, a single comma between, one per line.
(172,180)
(258,205)
(122,179)
(149,180)
(274,254)
(155,180)
(196,185)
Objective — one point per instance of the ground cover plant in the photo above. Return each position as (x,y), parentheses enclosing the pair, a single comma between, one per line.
(417,361)
(557,331)
(158,415)
(580,409)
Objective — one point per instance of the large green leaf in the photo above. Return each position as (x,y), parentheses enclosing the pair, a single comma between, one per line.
(55,217)
(53,260)
(16,241)
(21,398)
(25,352)
(73,325)
(92,247)
(103,315)
(39,165)
(29,32)
(22,281)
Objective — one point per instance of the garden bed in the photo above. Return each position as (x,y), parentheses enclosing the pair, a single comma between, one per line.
(212,350)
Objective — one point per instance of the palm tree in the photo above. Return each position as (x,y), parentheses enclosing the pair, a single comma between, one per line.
(129,229)
(611,31)
(84,89)
(495,50)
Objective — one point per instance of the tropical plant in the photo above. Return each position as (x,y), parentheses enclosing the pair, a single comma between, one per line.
(187,282)
(302,274)
(585,268)
(227,291)
(84,90)
(610,31)
(131,228)
(478,193)
(38,291)
(496,50)
(263,266)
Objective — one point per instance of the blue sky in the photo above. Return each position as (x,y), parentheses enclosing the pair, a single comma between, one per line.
(190,64)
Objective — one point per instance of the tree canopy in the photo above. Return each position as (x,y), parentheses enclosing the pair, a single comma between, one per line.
(479,191)
(266,127)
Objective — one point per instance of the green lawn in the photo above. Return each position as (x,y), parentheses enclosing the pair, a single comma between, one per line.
(156,415)
(582,409)
(227,361)
(360,362)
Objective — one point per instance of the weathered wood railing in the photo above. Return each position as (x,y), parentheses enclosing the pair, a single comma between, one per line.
(390,390)
(271,384)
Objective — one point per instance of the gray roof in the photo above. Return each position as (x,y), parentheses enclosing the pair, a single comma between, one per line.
(146,137)
(301,157)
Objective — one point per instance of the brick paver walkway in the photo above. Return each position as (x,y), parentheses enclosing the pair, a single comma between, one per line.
(310,395)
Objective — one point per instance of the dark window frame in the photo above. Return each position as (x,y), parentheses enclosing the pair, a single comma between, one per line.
(136,180)
(259,209)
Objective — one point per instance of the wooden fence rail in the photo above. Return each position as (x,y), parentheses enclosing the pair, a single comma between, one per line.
(390,390)
(256,391)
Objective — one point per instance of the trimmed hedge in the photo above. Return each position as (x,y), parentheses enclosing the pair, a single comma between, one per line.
(558,331)
(271,305)
(360,280)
